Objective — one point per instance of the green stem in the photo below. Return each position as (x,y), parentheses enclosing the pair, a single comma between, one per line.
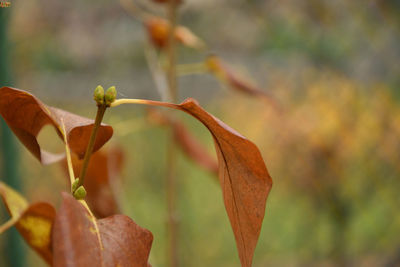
(99,117)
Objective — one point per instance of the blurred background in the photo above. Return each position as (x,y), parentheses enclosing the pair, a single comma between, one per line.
(332,150)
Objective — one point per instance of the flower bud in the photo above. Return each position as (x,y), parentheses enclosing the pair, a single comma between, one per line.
(80,193)
(75,185)
(98,95)
(111,95)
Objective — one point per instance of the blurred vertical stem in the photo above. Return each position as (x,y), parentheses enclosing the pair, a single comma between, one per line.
(14,251)
(171,179)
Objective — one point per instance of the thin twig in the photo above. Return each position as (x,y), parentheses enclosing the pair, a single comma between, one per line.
(99,117)
(10,223)
(157,73)
(172,17)
(171,181)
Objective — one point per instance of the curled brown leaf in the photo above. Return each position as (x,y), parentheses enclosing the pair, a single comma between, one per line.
(26,115)
(244,178)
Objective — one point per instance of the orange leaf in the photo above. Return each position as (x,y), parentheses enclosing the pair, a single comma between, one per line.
(33,222)
(80,241)
(244,178)
(26,116)
(104,166)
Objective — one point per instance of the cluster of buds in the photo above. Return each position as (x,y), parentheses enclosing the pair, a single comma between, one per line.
(102,98)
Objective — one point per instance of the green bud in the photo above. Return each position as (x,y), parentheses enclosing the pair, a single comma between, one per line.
(75,184)
(111,95)
(80,193)
(98,95)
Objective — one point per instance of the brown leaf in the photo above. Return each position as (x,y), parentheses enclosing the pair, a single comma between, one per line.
(104,167)
(222,71)
(75,236)
(244,178)
(186,142)
(79,240)
(33,222)
(125,242)
(158,30)
(26,116)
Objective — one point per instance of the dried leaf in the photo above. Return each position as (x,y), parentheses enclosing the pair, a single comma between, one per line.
(104,167)
(244,178)
(75,238)
(158,30)
(188,38)
(79,240)
(125,242)
(221,70)
(35,227)
(33,222)
(26,116)
(186,142)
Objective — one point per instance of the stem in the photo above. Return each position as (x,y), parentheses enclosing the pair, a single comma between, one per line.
(171,184)
(172,228)
(94,221)
(7,225)
(68,154)
(142,102)
(157,72)
(99,117)
(172,17)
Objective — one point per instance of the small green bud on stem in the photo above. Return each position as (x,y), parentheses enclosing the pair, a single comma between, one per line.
(75,185)
(80,193)
(98,95)
(110,96)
